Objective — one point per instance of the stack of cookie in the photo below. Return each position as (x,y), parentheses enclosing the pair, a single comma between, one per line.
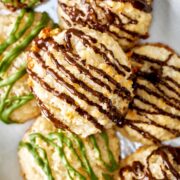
(90,79)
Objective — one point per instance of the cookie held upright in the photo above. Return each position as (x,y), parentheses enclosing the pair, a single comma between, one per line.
(81,79)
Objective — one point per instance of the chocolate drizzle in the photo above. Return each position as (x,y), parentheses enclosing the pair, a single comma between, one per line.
(63,97)
(141,5)
(156,85)
(91,18)
(142,59)
(156,80)
(119,89)
(49,115)
(88,41)
(144,133)
(140,170)
(105,106)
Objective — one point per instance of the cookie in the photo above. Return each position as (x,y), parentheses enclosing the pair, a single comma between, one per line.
(126,21)
(17,103)
(154,114)
(80,78)
(50,153)
(19,4)
(152,162)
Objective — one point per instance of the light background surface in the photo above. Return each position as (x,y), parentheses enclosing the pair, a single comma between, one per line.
(165,28)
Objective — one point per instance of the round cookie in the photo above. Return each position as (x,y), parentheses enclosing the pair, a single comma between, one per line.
(50,153)
(19,4)
(126,21)
(152,162)
(81,79)
(154,114)
(17,103)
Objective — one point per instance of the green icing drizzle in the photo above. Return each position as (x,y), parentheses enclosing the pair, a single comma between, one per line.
(13,53)
(107,177)
(85,160)
(32,3)
(59,146)
(59,141)
(13,37)
(9,104)
(40,157)
(112,165)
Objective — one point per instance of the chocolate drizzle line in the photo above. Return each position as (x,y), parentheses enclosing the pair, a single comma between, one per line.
(142,58)
(156,80)
(50,116)
(140,170)
(133,125)
(120,91)
(62,96)
(91,19)
(159,82)
(159,96)
(70,57)
(88,41)
(144,133)
(113,114)
(141,5)
(153,78)
(153,123)
(156,110)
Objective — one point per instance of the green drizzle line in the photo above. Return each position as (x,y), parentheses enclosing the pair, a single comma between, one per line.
(21,3)
(40,157)
(9,104)
(59,141)
(107,177)
(112,165)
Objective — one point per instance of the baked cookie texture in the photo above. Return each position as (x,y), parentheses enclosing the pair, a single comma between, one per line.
(80,78)
(152,162)
(50,153)
(19,4)
(154,114)
(17,31)
(127,21)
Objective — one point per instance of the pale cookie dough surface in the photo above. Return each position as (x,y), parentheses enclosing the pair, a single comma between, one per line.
(64,156)
(154,114)
(152,162)
(126,21)
(18,4)
(81,79)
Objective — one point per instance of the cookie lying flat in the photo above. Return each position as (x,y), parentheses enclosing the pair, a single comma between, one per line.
(50,153)
(16,33)
(126,21)
(19,4)
(152,162)
(80,78)
(155,111)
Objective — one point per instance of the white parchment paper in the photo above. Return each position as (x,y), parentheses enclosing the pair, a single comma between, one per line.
(165,28)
